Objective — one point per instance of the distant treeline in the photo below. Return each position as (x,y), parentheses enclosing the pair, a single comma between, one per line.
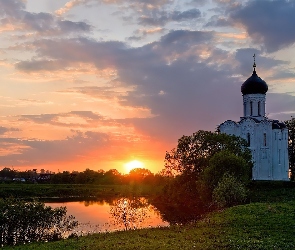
(112,176)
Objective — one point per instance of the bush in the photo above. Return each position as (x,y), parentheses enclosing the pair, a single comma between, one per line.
(22,222)
(229,192)
(226,162)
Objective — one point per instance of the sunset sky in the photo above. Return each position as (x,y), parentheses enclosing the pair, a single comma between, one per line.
(99,83)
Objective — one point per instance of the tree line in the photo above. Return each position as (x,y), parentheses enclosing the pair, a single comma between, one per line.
(88,176)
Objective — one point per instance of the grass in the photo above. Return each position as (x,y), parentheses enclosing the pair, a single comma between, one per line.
(72,191)
(251,226)
(269,224)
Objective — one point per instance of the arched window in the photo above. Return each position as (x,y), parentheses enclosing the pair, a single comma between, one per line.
(248,139)
(259,113)
(264,139)
(251,108)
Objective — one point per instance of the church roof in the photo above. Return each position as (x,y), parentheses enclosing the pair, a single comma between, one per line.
(254,85)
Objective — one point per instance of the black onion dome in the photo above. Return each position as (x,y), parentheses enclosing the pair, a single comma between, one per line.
(254,85)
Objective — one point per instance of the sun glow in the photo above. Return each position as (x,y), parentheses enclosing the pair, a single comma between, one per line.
(132,164)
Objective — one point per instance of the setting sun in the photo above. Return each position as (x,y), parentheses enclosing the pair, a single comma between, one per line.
(133,164)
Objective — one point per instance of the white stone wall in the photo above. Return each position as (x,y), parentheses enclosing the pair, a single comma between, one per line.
(269,146)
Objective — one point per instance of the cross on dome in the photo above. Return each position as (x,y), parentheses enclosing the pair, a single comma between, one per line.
(254,65)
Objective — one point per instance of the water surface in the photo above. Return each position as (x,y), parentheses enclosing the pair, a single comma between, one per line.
(113,215)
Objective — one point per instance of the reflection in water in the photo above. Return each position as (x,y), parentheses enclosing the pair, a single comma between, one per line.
(130,212)
(112,215)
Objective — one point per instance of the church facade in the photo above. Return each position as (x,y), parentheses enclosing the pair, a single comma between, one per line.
(267,139)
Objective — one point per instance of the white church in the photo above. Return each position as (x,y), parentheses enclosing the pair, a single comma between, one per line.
(267,139)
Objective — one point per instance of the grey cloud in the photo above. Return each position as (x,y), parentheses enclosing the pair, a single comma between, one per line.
(4,130)
(43,118)
(183,90)
(37,152)
(245,59)
(188,14)
(52,119)
(13,12)
(162,17)
(66,25)
(39,65)
(218,21)
(186,37)
(280,106)
(39,21)
(270,23)
(11,7)
(196,3)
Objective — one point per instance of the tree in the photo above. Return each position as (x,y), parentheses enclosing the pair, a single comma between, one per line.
(193,152)
(188,162)
(23,222)
(139,174)
(226,162)
(291,127)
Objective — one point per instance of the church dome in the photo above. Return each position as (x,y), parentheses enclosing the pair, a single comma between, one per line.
(254,85)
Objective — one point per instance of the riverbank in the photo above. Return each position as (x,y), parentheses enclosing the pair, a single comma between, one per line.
(251,226)
(266,223)
(73,191)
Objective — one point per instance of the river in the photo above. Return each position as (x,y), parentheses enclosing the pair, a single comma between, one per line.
(112,215)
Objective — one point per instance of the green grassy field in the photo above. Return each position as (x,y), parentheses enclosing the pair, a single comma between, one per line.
(72,191)
(269,224)
(251,226)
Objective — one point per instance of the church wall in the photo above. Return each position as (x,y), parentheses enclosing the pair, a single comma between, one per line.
(281,160)
(276,147)
(263,148)
(269,147)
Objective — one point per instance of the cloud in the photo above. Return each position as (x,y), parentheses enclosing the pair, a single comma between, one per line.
(270,23)
(32,152)
(280,106)
(245,59)
(162,17)
(69,5)
(4,130)
(71,119)
(183,79)
(196,3)
(142,33)
(13,12)
(218,21)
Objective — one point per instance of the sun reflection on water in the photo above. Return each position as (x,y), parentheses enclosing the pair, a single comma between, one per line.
(118,214)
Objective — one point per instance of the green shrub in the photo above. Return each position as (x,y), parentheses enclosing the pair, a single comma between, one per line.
(22,222)
(226,162)
(229,192)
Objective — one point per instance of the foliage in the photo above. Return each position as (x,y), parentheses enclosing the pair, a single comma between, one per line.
(227,162)
(199,156)
(140,175)
(22,222)
(261,226)
(193,152)
(229,192)
(291,127)
(88,176)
